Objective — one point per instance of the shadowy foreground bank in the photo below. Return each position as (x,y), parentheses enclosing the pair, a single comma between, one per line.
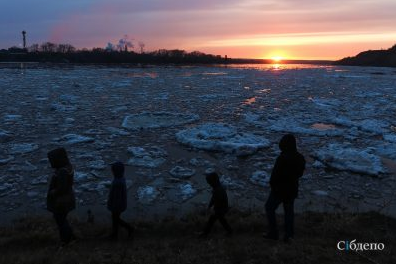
(175,241)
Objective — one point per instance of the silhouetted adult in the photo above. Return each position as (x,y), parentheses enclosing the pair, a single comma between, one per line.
(219,202)
(288,168)
(117,201)
(60,196)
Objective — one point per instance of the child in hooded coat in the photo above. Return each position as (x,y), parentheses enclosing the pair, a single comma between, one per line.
(219,202)
(288,169)
(117,201)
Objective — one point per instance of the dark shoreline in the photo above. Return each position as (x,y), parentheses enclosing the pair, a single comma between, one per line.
(35,240)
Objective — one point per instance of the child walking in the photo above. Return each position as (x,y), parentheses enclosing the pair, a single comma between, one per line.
(219,201)
(117,201)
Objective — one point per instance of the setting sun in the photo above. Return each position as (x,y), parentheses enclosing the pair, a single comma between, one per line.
(276,58)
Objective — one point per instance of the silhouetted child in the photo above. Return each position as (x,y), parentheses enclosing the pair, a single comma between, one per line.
(117,202)
(219,201)
(60,196)
(288,168)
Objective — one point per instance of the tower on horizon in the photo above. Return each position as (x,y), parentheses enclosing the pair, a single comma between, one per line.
(24,39)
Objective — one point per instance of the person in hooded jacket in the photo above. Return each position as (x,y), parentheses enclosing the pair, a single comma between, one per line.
(288,168)
(117,200)
(219,202)
(60,196)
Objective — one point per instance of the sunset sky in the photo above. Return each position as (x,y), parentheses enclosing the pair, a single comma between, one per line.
(292,29)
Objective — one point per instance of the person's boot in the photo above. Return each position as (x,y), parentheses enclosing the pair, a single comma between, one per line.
(131,230)
(271,236)
(203,235)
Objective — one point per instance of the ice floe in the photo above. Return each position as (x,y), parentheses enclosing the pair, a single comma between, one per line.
(320,193)
(12,118)
(182,172)
(292,125)
(186,191)
(97,164)
(147,120)
(117,131)
(344,157)
(221,137)
(26,166)
(147,194)
(231,184)
(71,139)
(149,157)
(260,178)
(5,136)
(367,125)
(23,148)
(4,161)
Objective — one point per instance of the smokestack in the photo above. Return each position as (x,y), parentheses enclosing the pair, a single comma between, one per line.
(24,39)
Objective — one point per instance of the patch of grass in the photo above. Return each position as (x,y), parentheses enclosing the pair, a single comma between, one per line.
(175,241)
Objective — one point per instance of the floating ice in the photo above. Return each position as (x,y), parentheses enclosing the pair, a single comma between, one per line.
(4,161)
(260,178)
(32,194)
(26,166)
(320,193)
(60,107)
(41,180)
(147,120)
(69,98)
(291,125)
(317,164)
(117,131)
(221,137)
(149,157)
(182,172)
(147,194)
(390,138)
(119,109)
(12,118)
(326,103)
(99,187)
(342,157)
(367,125)
(83,176)
(186,191)
(22,148)
(5,136)
(97,164)
(231,184)
(70,139)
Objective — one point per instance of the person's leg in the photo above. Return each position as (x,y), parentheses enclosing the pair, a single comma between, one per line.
(270,207)
(289,219)
(126,225)
(68,230)
(115,216)
(209,224)
(224,223)
(64,228)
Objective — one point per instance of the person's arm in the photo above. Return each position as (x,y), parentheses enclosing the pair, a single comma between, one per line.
(302,166)
(276,171)
(111,195)
(211,203)
(64,182)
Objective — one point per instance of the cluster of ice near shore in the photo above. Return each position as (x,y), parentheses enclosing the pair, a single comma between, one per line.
(222,137)
(343,157)
(149,157)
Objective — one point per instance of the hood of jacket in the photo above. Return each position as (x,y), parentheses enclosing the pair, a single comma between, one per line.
(288,143)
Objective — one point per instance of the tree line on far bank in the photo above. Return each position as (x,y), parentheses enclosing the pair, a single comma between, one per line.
(66,53)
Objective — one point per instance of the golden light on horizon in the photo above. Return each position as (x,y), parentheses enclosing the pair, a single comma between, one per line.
(277,58)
